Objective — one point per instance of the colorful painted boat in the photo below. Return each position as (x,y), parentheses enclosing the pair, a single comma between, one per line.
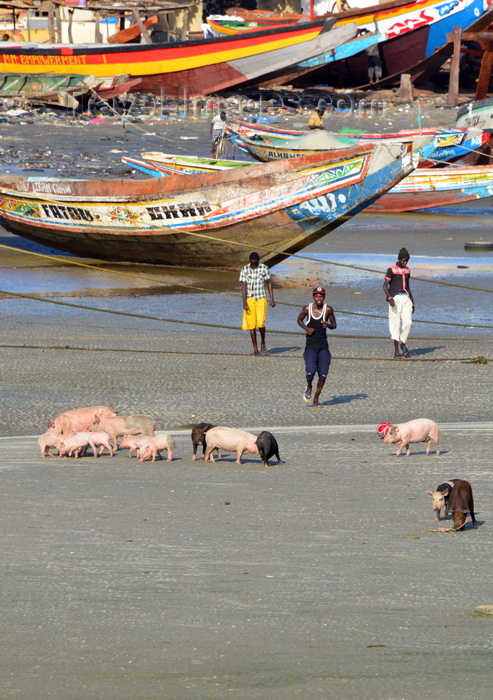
(207,220)
(265,143)
(478,113)
(424,188)
(158,164)
(411,32)
(428,188)
(198,66)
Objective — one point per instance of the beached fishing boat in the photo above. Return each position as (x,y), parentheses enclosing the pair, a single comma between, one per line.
(266,143)
(478,113)
(198,66)
(206,220)
(427,188)
(410,33)
(424,188)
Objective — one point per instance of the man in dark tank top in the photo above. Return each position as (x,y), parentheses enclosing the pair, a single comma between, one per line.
(315,318)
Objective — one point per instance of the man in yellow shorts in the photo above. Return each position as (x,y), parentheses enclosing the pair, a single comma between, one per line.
(253,277)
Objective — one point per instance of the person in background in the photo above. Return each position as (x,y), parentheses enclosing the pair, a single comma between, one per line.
(316,121)
(317,355)
(218,126)
(253,278)
(401,303)
(374,64)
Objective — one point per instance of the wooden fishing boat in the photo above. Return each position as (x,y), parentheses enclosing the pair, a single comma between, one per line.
(411,32)
(158,164)
(424,188)
(265,143)
(478,113)
(206,220)
(197,66)
(428,188)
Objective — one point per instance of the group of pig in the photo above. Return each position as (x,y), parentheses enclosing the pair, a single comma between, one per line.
(454,496)
(72,432)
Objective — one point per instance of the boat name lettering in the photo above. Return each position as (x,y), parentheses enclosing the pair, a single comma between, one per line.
(174,211)
(51,187)
(57,211)
(44,60)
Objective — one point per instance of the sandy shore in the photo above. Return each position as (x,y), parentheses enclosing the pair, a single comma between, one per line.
(321,577)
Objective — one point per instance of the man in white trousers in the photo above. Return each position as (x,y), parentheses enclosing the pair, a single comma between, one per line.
(401,304)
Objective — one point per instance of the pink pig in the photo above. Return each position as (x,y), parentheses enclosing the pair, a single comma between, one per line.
(116,426)
(152,445)
(230,440)
(78,419)
(77,444)
(418,430)
(133,442)
(49,440)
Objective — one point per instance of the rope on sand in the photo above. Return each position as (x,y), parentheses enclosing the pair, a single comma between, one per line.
(24,346)
(36,297)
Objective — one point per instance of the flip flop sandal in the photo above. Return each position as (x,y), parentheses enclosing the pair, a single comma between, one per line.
(405,351)
(317,404)
(307,397)
(397,355)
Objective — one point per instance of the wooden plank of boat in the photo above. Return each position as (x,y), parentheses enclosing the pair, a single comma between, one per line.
(478,113)
(198,66)
(39,85)
(206,220)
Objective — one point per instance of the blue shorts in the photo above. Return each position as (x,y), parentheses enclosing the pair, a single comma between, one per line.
(317,361)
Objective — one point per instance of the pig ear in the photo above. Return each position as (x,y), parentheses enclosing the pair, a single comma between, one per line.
(445,493)
(431,493)
(51,423)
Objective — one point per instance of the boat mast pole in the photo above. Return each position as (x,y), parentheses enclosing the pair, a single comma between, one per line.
(312,10)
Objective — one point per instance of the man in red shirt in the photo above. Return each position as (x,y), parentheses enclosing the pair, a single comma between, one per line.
(401,304)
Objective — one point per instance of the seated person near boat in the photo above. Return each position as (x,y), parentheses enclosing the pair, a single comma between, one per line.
(315,121)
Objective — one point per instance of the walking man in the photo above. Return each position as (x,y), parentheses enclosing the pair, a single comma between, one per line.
(253,277)
(317,355)
(401,304)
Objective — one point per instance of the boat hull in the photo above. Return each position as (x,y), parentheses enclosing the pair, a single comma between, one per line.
(208,220)
(199,66)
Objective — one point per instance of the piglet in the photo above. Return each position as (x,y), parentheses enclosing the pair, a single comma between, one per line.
(77,444)
(152,446)
(441,497)
(267,447)
(198,437)
(116,426)
(418,430)
(461,503)
(133,442)
(230,440)
(49,440)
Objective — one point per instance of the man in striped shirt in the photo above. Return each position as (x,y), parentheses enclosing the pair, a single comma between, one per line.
(253,277)
(401,304)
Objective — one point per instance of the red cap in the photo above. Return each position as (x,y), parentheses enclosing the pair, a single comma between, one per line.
(319,290)
(383,429)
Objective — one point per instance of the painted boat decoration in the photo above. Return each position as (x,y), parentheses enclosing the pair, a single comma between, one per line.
(265,143)
(198,66)
(206,220)
(411,32)
(424,188)
(478,113)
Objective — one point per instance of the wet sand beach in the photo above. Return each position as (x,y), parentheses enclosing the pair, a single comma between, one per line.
(321,577)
